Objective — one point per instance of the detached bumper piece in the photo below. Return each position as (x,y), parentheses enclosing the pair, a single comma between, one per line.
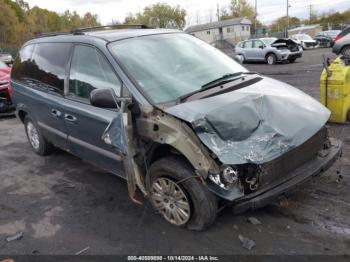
(311,168)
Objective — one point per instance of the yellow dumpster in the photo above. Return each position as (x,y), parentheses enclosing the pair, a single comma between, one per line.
(337,85)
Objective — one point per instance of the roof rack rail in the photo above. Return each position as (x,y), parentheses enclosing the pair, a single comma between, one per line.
(79,31)
(51,34)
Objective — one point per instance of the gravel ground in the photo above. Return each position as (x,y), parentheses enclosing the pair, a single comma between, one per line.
(63,205)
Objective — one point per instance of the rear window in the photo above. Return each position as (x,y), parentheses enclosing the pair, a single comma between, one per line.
(22,65)
(345,31)
(241,44)
(248,44)
(43,66)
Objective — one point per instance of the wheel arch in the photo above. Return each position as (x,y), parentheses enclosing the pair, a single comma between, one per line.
(270,53)
(22,115)
(169,135)
(159,151)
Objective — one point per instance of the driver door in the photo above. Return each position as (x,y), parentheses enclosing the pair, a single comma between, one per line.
(86,123)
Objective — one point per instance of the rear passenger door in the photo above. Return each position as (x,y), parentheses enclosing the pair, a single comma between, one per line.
(49,72)
(248,52)
(39,79)
(85,123)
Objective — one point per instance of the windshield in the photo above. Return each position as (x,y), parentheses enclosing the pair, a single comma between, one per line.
(268,41)
(168,66)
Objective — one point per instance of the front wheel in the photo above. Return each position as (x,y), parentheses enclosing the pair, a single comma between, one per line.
(179,196)
(271,59)
(346,51)
(292,60)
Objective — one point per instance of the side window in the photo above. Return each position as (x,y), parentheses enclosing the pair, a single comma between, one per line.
(49,65)
(257,44)
(248,44)
(23,65)
(89,71)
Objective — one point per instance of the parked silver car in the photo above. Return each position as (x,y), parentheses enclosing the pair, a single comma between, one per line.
(342,43)
(271,50)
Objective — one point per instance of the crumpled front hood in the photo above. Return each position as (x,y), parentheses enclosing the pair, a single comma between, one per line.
(254,124)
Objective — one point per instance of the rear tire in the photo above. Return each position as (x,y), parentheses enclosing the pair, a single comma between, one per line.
(190,194)
(36,140)
(271,59)
(240,59)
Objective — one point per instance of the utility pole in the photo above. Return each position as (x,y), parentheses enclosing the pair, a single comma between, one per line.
(256,15)
(287,18)
(218,11)
(310,6)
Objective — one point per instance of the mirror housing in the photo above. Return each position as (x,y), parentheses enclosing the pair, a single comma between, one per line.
(262,47)
(104,98)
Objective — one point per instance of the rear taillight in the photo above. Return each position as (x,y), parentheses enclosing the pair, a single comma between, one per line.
(338,37)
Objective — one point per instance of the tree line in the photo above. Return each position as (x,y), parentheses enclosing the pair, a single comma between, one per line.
(239,8)
(19,22)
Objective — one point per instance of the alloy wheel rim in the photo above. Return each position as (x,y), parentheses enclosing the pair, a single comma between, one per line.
(270,60)
(33,135)
(346,52)
(170,201)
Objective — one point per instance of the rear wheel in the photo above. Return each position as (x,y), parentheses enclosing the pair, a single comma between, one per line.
(346,51)
(271,59)
(38,143)
(179,196)
(240,59)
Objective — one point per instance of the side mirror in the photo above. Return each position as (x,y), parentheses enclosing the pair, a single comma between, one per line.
(104,98)
(262,47)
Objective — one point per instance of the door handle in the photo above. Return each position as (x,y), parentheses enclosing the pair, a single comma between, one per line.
(56,113)
(70,118)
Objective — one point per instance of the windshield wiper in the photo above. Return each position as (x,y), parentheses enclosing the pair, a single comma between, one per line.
(224,79)
(219,81)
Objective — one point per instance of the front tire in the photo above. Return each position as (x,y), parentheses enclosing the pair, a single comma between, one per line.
(345,51)
(38,143)
(179,196)
(292,60)
(271,59)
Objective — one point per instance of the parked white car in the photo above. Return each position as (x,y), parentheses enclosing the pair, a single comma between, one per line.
(304,40)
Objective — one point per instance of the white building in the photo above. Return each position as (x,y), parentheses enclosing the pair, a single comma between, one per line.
(231,30)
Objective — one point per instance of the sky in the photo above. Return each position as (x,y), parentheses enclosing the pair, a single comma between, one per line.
(198,11)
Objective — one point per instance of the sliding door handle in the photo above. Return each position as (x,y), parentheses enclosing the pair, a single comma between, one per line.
(70,118)
(55,113)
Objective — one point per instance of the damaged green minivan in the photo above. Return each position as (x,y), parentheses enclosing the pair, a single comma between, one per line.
(185,124)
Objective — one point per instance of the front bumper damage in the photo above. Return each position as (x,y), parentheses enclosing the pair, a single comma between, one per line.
(298,176)
(290,56)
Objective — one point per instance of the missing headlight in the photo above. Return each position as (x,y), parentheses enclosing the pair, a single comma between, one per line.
(229,174)
(227,178)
